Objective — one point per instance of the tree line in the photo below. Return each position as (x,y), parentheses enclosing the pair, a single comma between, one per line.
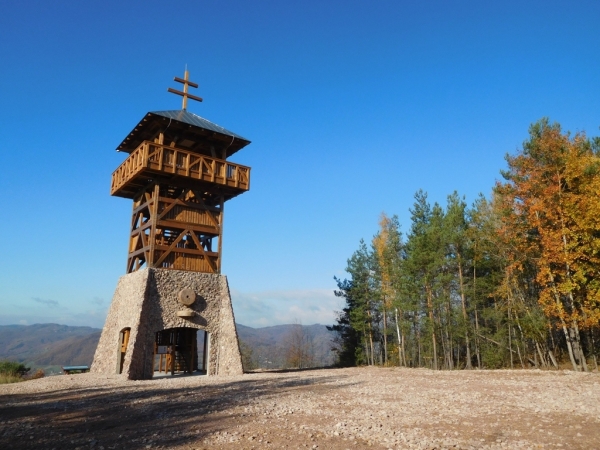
(298,347)
(511,281)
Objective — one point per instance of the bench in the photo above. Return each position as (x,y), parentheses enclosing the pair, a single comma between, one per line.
(69,370)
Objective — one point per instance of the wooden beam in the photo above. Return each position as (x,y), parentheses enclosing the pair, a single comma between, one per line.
(138,252)
(167,251)
(190,204)
(183,94)
(221,235)
(205,253)
(187,251)
(176,225)
(181,80)
(212,218)
(153,213)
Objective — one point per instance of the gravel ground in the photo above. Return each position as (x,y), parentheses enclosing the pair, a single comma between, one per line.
(324,409)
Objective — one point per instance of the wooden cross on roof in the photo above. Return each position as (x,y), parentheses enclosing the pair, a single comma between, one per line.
(185,81)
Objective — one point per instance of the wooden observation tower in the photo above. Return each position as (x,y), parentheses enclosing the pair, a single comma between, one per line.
(179,178)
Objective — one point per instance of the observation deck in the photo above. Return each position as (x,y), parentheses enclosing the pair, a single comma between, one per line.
(152,162)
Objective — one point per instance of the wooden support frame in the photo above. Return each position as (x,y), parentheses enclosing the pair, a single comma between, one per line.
(179,188)
(176,228)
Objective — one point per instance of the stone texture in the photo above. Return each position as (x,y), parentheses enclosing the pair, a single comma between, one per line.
(147,301)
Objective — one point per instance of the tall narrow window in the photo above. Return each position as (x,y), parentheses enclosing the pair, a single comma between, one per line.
(123,341)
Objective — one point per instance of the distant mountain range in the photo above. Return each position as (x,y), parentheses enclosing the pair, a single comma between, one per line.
(49,346)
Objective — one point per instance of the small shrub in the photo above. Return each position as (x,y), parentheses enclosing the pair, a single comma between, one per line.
(38,374)
(493,357)
(13,368)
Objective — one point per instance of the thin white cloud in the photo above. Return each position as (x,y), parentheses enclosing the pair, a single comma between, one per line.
(254,309)
(97,301)
(47,302)
(267,308)
(93,318)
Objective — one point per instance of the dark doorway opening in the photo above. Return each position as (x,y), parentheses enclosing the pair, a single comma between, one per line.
(180,351)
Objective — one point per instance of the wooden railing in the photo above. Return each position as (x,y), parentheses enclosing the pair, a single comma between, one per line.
(159,158)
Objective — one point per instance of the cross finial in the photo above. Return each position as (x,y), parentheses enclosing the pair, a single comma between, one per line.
(185,94)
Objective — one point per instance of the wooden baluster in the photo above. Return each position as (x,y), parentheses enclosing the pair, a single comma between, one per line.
(145,154)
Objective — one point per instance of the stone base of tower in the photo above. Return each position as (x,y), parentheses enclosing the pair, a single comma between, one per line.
(153,300)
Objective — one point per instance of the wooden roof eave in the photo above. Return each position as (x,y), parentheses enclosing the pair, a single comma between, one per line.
(152,124)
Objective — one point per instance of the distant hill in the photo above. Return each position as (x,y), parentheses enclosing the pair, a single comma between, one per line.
(49,346)
(269,344)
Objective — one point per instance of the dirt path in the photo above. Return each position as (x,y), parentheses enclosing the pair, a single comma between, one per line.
(324,409)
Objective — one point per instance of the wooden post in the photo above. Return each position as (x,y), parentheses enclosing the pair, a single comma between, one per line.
(186,76)
(205,353)
(192,338)
(173,352)
(221,216)
(153,219)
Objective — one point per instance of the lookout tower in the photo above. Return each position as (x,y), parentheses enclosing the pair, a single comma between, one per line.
(179,177)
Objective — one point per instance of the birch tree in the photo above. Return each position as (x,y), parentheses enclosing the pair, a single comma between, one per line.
(388,247)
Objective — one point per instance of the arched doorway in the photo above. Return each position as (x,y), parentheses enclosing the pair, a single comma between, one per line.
(180,350)
(123,342)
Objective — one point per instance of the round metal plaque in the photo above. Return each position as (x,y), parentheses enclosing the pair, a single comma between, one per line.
(187,297)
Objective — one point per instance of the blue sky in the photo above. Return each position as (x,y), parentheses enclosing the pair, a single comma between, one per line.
(351,107)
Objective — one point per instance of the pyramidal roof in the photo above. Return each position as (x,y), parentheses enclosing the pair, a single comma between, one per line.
(184,116)
(184,124)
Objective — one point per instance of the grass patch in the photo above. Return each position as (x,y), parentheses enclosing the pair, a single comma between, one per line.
(7,378)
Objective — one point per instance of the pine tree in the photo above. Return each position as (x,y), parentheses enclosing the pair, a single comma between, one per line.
(361,313)
(455,225)
(423,263)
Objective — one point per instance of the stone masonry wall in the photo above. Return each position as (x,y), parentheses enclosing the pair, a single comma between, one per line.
(124,312)
(147,302)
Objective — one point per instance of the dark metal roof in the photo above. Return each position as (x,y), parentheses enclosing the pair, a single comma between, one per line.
(192,119)
(183,125)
